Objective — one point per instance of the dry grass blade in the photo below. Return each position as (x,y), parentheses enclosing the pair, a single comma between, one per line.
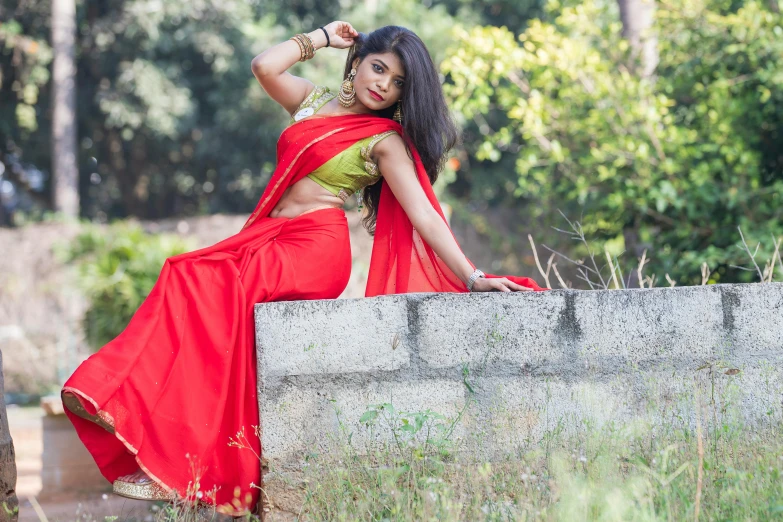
(545,275)
(620,270)
(672,283)
(579,231)
(576,262)
(611,267)
(582,274)
(643,261)
(705,273)
(775,256)
(557,274)
(753,255)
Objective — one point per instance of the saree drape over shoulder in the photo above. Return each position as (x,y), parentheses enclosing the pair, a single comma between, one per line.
(180,380)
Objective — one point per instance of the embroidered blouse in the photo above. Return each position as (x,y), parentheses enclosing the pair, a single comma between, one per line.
(350,170)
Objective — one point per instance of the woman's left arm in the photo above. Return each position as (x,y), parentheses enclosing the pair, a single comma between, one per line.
(398,170)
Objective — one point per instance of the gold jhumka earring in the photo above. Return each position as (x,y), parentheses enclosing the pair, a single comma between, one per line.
(347,95)
(398,112)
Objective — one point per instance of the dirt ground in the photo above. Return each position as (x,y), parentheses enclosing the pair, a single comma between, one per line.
(26,430)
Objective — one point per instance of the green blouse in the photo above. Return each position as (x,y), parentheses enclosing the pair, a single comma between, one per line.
(350,170)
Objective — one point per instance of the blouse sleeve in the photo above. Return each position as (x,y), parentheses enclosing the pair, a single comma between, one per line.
(317,92)
(369,165)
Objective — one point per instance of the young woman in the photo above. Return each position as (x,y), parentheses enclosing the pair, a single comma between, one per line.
(181,378)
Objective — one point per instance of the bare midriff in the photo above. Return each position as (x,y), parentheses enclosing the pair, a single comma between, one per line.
(304,196)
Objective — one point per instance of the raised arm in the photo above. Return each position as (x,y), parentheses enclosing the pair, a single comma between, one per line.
(398,170)
(271,66)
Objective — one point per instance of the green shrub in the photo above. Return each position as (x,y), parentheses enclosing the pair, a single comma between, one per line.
(118,266)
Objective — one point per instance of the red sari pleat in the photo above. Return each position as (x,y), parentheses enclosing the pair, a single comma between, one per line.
(181,378)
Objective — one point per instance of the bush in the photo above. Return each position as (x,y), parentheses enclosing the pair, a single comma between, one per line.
(118,266)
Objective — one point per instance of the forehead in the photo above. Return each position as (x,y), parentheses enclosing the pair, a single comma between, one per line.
(391,60)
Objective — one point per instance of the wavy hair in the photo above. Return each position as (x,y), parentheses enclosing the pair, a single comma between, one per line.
(426,121)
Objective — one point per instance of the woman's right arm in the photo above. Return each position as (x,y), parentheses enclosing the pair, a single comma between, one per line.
(271,66)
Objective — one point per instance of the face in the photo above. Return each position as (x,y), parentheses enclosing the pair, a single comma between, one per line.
(382,74)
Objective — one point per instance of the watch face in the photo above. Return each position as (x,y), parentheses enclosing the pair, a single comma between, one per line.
(304,113)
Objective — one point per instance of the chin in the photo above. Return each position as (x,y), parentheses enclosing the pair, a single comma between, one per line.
(375,103)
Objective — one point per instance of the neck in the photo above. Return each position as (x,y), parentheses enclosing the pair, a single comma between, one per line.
(357,108)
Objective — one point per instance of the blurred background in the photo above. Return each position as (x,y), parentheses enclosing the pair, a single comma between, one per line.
(640,140)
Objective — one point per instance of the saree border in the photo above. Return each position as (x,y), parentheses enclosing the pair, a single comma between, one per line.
(106,416)
(284,176)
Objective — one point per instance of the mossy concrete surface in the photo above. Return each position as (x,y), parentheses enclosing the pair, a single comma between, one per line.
(528,363)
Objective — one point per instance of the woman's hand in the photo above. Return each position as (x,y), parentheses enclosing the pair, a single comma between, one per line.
(342,35)
(498,284)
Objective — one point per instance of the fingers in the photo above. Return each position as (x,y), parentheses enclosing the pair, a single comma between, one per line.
(511,286)
(347,30)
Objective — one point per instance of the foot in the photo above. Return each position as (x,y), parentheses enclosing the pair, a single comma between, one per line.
(136,478)
(140,486)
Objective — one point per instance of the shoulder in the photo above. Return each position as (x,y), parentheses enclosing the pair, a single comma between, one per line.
(388,143)
(315,98)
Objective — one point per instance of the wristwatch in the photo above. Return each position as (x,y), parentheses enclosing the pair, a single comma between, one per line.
(472,279)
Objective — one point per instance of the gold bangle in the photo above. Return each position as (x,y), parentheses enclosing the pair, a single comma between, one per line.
(306,46)
(301,47)
(309,46)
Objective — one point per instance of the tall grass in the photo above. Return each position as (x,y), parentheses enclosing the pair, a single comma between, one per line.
(692,457)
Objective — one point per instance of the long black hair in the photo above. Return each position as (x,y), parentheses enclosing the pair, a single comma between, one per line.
(426,121)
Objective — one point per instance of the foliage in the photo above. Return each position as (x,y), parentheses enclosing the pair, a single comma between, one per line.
(679,160)
(118,266)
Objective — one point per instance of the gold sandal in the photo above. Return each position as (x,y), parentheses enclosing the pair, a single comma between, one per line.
(74,404)
(147,490)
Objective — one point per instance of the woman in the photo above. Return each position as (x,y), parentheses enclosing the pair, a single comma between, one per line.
(180,379)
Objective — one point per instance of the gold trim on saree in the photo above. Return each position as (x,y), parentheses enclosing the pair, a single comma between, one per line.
(285,175)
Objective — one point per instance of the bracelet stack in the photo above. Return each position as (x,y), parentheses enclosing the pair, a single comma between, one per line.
(305,46)
(472,279)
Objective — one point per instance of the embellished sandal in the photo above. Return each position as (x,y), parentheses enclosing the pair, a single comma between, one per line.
(146,490)
(74,405)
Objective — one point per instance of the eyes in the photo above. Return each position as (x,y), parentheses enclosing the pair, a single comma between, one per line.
(377,68)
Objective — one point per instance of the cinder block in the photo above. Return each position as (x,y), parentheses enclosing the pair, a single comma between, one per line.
(299,420)
(755,315)
(650,324)
(337,336)
(516,328)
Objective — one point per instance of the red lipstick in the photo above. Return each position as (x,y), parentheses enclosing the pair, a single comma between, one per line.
(375,95)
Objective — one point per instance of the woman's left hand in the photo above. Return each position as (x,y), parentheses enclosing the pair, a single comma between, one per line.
(498,284)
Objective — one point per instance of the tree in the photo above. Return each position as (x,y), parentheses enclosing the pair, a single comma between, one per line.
(688,155)
(64,165)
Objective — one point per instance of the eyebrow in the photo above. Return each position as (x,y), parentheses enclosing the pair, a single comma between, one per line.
(379,60)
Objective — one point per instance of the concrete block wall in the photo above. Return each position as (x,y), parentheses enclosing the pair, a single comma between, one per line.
(531,361)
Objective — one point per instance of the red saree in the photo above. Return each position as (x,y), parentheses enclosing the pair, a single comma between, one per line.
(181,378)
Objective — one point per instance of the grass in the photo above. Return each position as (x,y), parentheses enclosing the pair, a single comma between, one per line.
(691,456)
(633,472)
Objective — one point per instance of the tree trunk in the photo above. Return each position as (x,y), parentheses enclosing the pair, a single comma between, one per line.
(8,500)
(637,17)
(65,170)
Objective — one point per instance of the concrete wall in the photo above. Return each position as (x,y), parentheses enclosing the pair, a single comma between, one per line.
(532,361)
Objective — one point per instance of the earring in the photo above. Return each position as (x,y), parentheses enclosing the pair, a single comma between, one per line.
(398,113)
(347,95)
